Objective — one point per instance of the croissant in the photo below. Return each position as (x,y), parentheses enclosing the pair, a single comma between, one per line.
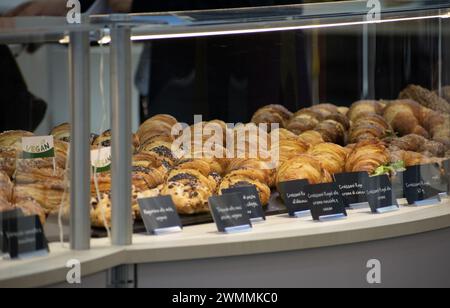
(163,150)
(311,137)
(61,132)
(368,126)
(190,191)
(49,196)
(343,110)
(283,134)
(367,156)
(233,181)
(304,120)
(405,116)
(145,178)
(38,170)
(272,114)
(303,167)
(364,107)
(326,109)
(332,131)
(104,183)
(426,98)
(256,169)
(159,125)
(6,187)
(8,156)
(289,149)
(409,117)
(30,207)
(416,143)
(13,138)
(5,205)
(409,158)
(332,156)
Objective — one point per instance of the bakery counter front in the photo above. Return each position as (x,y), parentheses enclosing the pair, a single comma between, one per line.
(407,248)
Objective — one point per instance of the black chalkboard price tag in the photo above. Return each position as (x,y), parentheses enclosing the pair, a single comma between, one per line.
(380,194)
(352,188)
(326,202)
(159,215)
(230,213)
(4,217)
(295,197)
(25,237)
(423,184)
(250,197)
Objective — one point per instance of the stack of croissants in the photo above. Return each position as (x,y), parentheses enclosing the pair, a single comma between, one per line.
(314,143)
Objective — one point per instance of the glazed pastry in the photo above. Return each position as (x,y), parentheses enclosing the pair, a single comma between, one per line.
(332,156)
(272,114)
(61,132)
(190,191)
(363,108)
(426,98)
(367,156)
(304,167)
(311,137)
(49,196)
(30,207)
(233,181)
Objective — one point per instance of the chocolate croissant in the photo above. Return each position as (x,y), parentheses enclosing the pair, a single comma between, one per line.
(303,167)
(190,191)
(367,156)
(332,156)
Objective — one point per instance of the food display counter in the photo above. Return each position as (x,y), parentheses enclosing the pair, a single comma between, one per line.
(338,177)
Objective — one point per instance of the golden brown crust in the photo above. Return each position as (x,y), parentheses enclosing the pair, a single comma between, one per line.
(304,120)
(233,181)
(367,156)
(368,126)
(49,196)
(253,168)
(364,107)
(303,167)
(61,132)
(332,156)
(311,137)
(159,125)
(13,138)
(6,187)
(405,117)
(416,143)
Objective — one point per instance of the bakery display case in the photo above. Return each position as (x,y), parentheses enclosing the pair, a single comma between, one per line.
(333,117)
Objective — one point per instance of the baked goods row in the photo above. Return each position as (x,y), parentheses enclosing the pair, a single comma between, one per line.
(313,144)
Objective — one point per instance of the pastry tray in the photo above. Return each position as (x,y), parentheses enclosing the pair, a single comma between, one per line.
(275,207)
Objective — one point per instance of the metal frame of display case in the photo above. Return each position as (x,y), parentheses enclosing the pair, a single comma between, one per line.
(146,27)
(123,29)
